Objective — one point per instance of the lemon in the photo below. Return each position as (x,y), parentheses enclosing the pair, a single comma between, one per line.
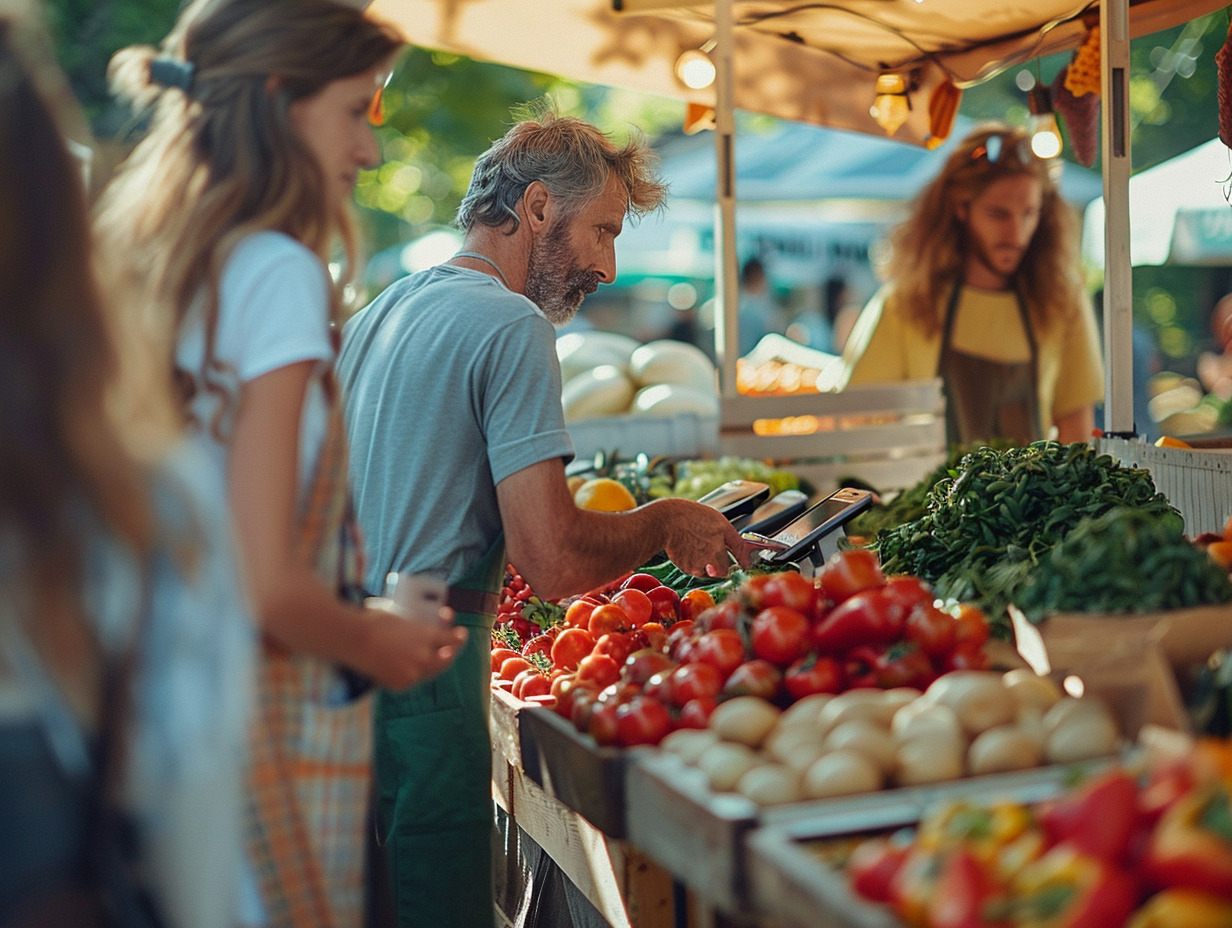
(1167,441)
(604,494)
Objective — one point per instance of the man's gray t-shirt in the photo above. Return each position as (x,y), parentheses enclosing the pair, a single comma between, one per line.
(451,384)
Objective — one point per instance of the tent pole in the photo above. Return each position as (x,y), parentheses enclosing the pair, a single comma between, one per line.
(1118,271)
(726,295)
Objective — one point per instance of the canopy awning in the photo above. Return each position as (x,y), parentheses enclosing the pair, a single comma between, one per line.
(814,63)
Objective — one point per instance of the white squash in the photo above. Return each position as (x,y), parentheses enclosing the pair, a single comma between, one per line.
(583,351)
(670,399)
(601,391)
(669,361)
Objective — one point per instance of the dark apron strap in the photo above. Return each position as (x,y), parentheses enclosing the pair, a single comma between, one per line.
(989,399)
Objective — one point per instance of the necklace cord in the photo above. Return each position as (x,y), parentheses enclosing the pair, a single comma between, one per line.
(478,257)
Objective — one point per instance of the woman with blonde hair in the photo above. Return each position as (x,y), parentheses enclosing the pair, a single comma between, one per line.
(986,292)
(229,212)
(126,650)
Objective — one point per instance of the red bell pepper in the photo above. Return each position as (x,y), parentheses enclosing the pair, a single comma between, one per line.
(1098,818)
(873,866)
(966,895)
(1191,845)
(1069,889)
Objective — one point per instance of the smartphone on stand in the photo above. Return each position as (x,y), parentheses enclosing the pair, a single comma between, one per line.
(737,499)
(812,536)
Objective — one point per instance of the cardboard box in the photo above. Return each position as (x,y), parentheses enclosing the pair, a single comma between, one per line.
(1130,661)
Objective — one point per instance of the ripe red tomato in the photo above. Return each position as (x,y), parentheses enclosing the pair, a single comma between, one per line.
(609,617)
(665,603)
(910,591)
(617,645)
(905,665)
(971,627)
(869,617)
(598,669)
(651,635)
(753,591)
(690,681)
(780,635)
(694,603)
(933,630)
(680,641)
(570,647)
(602,722)
(566,689)
(500,655)
(966,657)
(540,644)
(757,677)
(789,589)
(636,604)
(641,581)
(725,615)
(659,686)
(531,683)
(873,866)
(643,664)
(512,666)
(696,712)
(813,673)
(722,648)
(850,571)
(642,720)
(578,613)
(582,702)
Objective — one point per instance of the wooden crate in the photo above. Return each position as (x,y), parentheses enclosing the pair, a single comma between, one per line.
(1197,482)
(889,435)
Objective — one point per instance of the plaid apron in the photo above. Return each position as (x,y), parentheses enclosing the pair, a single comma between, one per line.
(309,780)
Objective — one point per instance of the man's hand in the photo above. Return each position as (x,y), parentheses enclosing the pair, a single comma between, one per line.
(702,542)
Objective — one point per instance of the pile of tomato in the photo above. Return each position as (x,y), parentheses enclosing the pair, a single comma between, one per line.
(635,661)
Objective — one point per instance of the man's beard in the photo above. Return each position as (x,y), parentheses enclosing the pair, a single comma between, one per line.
(554,282)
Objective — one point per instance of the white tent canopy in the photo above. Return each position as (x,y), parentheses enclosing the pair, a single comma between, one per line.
(1178,211)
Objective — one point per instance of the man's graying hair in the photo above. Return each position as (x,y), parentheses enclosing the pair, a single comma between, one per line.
(571,158)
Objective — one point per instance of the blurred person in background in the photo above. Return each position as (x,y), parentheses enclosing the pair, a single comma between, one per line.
(1215,366)
(126,649)
(986,293)
(225,216)
(757,313)
(479,481)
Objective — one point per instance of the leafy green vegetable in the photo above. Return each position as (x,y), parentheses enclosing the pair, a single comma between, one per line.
(1125,560)
(910,503)
(998,513)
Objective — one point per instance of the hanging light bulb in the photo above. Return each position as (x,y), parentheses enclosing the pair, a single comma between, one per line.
(1045,133)
(694,68)
(891,106)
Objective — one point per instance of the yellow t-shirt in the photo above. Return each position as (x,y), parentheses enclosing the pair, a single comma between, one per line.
(886,346)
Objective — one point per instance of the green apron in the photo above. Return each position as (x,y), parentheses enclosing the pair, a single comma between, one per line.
(433,759)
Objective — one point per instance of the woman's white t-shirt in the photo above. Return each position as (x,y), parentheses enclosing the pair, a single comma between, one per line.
(273,311)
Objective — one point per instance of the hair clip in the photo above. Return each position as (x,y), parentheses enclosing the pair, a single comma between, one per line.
(170,72)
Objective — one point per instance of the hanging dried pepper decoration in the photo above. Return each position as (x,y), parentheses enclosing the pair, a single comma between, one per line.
(1223,69)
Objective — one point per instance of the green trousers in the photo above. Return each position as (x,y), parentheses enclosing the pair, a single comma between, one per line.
(433,759)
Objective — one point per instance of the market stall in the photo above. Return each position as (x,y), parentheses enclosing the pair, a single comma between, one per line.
(733,741)
(649,771)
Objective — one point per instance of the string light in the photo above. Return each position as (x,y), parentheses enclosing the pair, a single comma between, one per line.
(891,105)
(1045,133)
(694,68)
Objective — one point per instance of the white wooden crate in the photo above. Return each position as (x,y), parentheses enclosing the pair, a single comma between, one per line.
(889,435)
(1198,482)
